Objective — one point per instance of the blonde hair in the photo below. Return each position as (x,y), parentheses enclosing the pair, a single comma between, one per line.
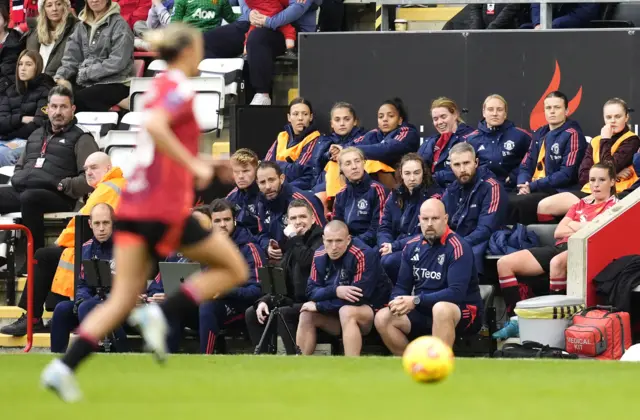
(246,156)
(348,150)
(498,97)
(169,41)
(44,28)
(449,104)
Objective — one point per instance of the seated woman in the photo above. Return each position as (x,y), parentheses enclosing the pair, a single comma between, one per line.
(400,215)
(360,202)
(344,130)
(500,145)
(552,260)
(451,130)
(10,47)
(295,146)
(21,108)
(98,58)
(383,147)
(49,38)
(616,144)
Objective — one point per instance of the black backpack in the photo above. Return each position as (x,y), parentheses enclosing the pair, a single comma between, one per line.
(532,350)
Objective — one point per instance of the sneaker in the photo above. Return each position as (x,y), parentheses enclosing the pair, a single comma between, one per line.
(19,327)
(153,327)
(60,379)
(261,99)
(290,55)
(509,330)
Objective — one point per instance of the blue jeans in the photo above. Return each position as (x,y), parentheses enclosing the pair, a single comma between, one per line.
(10,151)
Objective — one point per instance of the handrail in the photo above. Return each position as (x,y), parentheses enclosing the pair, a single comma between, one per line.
(23,228)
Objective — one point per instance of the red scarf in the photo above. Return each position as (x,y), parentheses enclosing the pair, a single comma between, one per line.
(441,144)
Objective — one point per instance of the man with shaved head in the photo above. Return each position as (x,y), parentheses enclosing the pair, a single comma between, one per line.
(54,269)
(346,286)
(437,291)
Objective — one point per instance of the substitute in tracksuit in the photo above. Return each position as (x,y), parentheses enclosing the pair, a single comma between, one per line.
(347,285)
(214,314)
(401,209)
(551,164)
(475,202)
(295,145)
(360,202)
(276,194)
(451,130)
(246,195)
(344,130)
(437,290)
(500,145)
(69,314)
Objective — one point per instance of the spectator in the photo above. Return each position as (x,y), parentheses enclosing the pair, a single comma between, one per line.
(499,144)
(68,315)
(203,14)
(99,74)
(216,313)
(246,195)
(451,130)
(552,260)
(263,44)
(159,16)
(551,164)
(10,47)
(437,292)
(276,195)
(401,209)
(636,167)
(359,204)
(344,129)
(495,16)
(566,15)
(475,202)
(304,237)
(294,146)
(347,285)
(49,175)
(271,8)
(384,147)
(22,106)
(133,10)
(55,268)
(54,26)
(616,144)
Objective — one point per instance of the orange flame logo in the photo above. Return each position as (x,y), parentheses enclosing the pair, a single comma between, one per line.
(537,120)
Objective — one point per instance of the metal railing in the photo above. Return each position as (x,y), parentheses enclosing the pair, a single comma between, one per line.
(13,226)
(545,6)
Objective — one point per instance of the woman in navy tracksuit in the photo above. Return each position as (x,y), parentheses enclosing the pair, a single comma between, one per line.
(344,130)
(451,130)
(499,144)
(400,216)
(360,202)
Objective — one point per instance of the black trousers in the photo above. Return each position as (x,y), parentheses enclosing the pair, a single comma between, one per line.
(45,268)
(291,316)
(99,98)
(34,204)
(263,46)
(524,208)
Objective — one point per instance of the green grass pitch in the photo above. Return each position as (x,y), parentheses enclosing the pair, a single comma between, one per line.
(120,387)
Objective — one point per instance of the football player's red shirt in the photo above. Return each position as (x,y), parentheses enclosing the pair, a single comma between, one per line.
(586,211)
(161,189)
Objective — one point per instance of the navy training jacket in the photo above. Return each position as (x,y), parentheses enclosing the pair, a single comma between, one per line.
(245,203)
(442,173)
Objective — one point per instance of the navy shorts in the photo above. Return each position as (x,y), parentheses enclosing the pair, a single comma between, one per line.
(421,323)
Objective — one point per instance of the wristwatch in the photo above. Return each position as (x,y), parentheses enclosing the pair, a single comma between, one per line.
(416,300)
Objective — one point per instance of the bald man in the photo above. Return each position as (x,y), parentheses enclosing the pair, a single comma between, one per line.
(54,271)
(437,291)
(346,286)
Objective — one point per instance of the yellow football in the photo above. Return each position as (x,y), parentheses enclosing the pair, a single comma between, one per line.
(428,359)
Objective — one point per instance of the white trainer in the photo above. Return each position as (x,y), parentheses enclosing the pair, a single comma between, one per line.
(60,379)
(152,324)
(261,99)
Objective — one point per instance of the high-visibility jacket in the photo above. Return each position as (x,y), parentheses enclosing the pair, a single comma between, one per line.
(107,191)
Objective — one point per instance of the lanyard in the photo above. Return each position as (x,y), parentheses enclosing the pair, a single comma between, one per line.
(45,144)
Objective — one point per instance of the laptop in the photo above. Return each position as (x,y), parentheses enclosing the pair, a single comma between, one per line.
(174,274)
